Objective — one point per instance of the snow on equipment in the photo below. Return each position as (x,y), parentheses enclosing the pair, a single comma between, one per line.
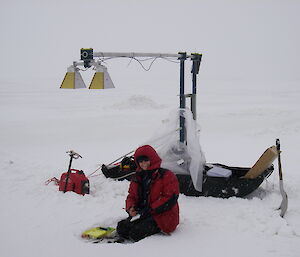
(197,177)
(74,180)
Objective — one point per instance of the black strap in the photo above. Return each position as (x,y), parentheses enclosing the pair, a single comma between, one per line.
(167,205)
(161,172)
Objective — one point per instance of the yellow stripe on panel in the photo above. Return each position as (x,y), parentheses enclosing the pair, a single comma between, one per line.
(69,81)
(97,81)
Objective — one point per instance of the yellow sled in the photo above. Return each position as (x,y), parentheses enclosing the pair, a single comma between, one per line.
(98,232)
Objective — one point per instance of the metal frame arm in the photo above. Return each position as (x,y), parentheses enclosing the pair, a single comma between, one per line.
(132,55)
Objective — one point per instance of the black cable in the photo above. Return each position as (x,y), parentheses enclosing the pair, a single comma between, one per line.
(146,69)
(102,59)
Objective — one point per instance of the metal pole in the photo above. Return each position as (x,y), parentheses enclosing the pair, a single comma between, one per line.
(284,203)
(193,98)
(68,173)
(133,55)
(182,59)
(196,58)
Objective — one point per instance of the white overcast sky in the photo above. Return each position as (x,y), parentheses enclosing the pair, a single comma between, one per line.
(240,40)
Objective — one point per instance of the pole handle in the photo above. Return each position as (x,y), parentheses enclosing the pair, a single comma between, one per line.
(278,144)
(73,154)
(279,158)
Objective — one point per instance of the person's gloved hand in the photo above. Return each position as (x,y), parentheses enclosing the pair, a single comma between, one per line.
(132,212)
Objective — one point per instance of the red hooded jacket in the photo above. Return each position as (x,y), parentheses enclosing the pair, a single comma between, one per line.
(164,191)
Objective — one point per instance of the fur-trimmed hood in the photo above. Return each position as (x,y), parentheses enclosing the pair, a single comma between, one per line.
(147,150)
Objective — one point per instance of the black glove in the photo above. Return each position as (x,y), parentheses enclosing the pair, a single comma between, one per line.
(145,212)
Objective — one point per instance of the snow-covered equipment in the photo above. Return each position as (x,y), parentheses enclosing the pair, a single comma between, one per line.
(197,177)
(284,203)
(217,171)
(74,180)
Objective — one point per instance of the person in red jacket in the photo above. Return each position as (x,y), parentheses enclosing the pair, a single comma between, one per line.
(152,194)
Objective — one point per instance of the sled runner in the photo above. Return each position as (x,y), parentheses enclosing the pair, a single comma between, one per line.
(218,180)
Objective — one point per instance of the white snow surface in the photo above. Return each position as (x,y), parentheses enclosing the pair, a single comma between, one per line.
(248,95)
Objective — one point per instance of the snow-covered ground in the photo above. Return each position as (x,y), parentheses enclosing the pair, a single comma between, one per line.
(239,119)
(40,124)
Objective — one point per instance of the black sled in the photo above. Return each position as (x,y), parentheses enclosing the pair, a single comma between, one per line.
(240,183)
(224,187)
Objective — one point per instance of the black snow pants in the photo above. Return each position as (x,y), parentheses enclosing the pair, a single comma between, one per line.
(137,229)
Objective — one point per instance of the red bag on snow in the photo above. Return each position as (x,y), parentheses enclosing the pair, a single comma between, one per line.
(77,182)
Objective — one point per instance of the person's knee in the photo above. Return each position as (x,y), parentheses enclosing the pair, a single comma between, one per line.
(123,228)
(136,234)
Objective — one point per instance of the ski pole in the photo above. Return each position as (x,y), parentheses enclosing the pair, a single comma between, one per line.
(120,157)
(284,203)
